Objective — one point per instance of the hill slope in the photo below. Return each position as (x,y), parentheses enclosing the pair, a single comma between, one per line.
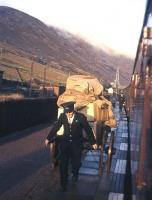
(29,37)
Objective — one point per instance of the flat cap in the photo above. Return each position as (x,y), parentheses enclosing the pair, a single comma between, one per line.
(68,106)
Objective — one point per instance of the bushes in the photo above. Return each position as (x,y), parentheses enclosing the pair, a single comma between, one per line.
(23,113)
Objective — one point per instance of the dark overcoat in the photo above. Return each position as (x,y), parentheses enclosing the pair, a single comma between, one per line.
(73,134)
(70,144)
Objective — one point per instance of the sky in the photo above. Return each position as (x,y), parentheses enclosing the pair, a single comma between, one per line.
(113,23)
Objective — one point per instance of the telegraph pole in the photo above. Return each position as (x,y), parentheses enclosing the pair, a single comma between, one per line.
(31,77)
(44,81)
(44,76)
(117,81)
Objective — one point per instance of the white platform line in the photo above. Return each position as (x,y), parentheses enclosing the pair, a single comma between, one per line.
(120,166)
(123,146)
(125,135)
(115,196)
(134,147)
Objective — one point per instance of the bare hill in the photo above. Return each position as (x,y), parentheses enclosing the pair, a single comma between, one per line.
(28,38)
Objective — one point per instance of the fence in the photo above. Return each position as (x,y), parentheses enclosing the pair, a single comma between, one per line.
(19,114)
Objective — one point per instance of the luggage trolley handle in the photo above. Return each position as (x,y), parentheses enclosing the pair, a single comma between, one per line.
(110,152)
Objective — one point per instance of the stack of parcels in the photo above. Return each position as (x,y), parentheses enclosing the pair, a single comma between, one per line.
(85,91)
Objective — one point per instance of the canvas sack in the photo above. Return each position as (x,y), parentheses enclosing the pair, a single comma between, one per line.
(84,84)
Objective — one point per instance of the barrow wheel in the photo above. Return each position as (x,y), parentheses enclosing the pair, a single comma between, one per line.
(101,160)
(103,143)
(110,152)
(101,138)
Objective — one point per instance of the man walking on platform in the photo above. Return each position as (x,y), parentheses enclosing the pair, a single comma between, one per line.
(71,142)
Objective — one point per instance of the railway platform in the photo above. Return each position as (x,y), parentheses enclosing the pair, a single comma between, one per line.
(27,174)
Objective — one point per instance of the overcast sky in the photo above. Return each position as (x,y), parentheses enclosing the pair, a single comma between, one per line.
(115,23)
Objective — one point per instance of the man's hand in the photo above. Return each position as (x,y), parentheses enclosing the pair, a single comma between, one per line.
(46,142)
(95,146)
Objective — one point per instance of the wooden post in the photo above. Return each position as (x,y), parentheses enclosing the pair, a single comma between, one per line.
(44,81)
(31,78)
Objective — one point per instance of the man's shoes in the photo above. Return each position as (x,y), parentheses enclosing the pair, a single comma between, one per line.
(74,178)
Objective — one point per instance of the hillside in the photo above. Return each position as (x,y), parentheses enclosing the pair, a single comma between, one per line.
(24,38)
